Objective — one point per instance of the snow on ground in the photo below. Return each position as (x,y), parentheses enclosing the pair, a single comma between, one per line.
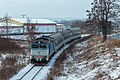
(114,36)
(92,61)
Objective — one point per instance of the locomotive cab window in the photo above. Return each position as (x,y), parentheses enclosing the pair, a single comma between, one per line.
(34,46)
(43,46)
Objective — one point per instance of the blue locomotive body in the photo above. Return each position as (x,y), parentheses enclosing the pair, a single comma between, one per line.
(43,48)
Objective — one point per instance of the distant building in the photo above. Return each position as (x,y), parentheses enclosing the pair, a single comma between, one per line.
(21,26)
(60,27)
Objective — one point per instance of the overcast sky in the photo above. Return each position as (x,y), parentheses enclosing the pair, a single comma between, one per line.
(45,8)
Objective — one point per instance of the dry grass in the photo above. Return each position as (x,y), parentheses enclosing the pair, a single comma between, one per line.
(9,68)
(94,65)
(57,67)
(99,75)
(114,43)
(9,65)
(107,46)
(8,46)
(111,44)
(96,39)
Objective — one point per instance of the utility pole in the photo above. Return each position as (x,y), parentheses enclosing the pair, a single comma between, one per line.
(23,16)
(6,25)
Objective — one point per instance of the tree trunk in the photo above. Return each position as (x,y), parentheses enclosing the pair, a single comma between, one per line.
(104,32)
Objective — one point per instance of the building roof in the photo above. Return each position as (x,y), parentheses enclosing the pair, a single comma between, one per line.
(9,24)
(34,21)
(60,25)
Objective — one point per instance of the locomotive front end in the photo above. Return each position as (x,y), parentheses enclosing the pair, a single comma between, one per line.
(39,51)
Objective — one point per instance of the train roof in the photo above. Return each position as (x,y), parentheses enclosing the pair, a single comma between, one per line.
(75,29)
(56,36)
(65,32)
(43,37)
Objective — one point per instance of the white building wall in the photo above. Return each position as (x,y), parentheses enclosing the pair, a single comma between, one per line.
(2,31)
(45,29)
(11,30)
(16,30)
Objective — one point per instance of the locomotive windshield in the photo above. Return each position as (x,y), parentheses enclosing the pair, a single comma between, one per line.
(39,45)
(42,46)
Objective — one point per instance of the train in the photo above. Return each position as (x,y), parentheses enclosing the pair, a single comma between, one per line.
(44,47)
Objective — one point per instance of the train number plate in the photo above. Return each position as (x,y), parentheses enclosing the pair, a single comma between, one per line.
(39,56)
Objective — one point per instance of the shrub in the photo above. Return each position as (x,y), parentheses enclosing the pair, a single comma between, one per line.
(114,43)
(9,68)
(9,46)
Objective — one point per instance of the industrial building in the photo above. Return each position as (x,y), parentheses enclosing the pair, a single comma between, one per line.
(23,26)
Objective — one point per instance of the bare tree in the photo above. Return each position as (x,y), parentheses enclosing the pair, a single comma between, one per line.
(78,23)
(101,12)
(30,30)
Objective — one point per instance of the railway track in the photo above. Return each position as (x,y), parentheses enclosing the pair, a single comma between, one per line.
(29,73)
(26,73)
(32,73)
